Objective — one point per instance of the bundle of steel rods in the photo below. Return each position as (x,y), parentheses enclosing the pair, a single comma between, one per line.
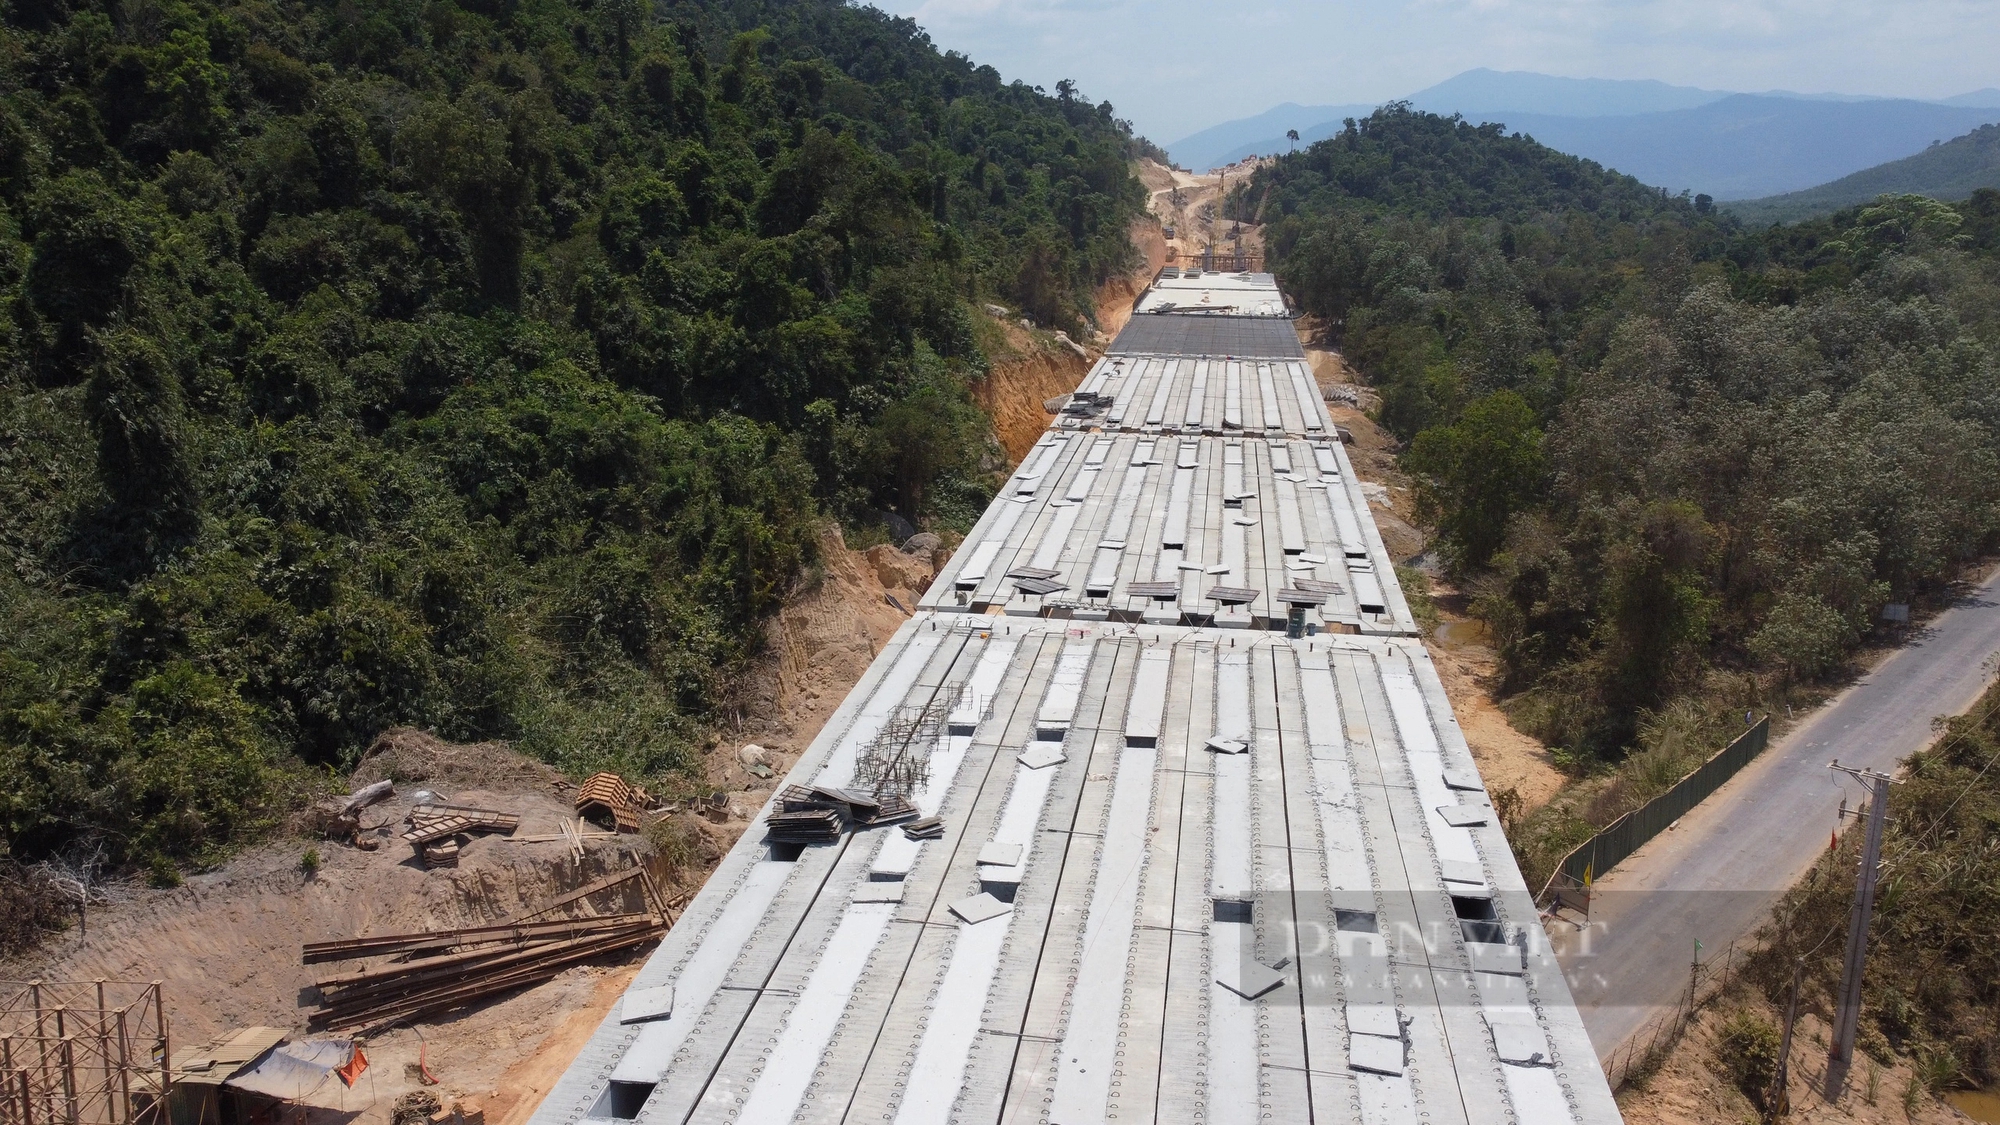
(422,974)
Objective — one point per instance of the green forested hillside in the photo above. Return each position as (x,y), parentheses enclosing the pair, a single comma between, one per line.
(1950,171)
(1403,161)
(475,365)
(1662,450)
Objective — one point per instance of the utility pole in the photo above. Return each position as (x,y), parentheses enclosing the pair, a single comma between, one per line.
(1849,1016)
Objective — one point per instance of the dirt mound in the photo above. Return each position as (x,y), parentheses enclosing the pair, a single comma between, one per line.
(407,754)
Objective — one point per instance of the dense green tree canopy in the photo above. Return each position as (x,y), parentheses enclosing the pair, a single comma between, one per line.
(1655,443)
(477,365)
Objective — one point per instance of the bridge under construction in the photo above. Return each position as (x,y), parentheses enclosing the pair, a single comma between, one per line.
(1155,810)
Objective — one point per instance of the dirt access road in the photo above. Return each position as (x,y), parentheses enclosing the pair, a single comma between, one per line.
(1715,877)
(1191,206)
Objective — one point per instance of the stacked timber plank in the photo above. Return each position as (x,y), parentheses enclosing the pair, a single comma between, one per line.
(421,974)
(436,831)
(438,821)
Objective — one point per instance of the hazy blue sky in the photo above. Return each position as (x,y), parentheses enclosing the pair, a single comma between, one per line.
(1176,66)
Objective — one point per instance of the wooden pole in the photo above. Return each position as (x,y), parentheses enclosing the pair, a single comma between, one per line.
(7,1067)
(124,1068)
(102,1089)
(166,1054)
(41,1028)
(27,1098)
(68,1052)
(66,1063)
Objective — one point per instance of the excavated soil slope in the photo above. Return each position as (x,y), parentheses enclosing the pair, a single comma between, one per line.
(1033,369)
(1116,296)
(816,649)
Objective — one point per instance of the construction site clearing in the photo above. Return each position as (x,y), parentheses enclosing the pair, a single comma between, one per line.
(459,925)
(1201,839)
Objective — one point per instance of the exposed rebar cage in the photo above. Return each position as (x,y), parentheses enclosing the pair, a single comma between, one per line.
(897,761)
(82,1052)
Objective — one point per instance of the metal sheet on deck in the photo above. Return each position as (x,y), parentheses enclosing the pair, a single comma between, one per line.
(1311,407)
(1065,687)
(1175,533)
(1090,1043)
(1166,374)
(1267,397)
(1149,698)
(1233,1071)
(1291,528)
(697,981)
(937,1073)
(1197,400)
(790,1064)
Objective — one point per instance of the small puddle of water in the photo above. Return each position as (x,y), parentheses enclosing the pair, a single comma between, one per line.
(1459,634)
(1980,1105)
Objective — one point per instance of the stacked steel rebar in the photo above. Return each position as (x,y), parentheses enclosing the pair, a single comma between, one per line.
(422,974)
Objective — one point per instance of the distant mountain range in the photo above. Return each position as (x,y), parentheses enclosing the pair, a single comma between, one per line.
(1952,171)
(1727,145)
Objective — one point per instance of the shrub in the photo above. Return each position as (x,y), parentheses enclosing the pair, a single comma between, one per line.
(1747,1048)
(32,906)
(682,849)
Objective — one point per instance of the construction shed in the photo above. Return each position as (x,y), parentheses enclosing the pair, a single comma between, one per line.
(249,1074)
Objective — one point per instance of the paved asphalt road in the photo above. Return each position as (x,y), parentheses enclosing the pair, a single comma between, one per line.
(1716,876)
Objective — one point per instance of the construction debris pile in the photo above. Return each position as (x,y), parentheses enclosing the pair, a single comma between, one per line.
(422,974)
(421,1107)
(821,813)
(339,818)
(1086,405)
